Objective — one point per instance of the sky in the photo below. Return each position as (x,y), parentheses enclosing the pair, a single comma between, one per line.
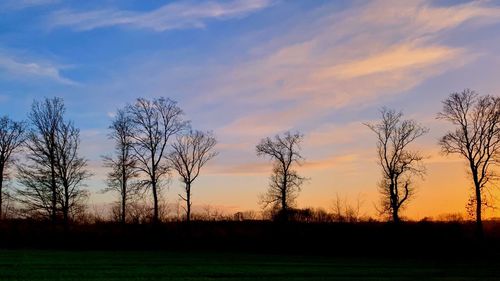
(251,69)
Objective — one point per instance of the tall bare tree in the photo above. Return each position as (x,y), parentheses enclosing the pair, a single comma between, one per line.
(189,154)
(53,174)
(12,135)
(285,182)
(39,174)
(398,163)
(476,138)
(154,122)
(71,170)
(123,163)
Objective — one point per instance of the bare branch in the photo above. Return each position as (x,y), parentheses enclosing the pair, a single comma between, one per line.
(153,123)
(123,164)
(190,153)
(398,163)
(285,183)
(476,138)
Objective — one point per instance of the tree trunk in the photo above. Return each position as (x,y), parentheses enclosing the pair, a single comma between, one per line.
(122,217)
(154,188)
(479,221)
(155,202)
(395,215)
(284,206)
(1,191)
(477,187)
(284,216)
(188,202)
(66,205)
(124,196)
(394,203)
(54,193)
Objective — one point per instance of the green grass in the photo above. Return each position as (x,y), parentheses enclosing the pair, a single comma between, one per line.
(61,265)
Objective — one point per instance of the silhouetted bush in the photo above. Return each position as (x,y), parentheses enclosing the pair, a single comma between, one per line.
(363,238)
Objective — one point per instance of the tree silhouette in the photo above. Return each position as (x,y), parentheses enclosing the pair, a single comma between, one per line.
(189,154)
(154,122)
(476,138)
(53,174)
(71,169)
(285,182)
(398,163)
(39,174)
(123,163)
(11,138)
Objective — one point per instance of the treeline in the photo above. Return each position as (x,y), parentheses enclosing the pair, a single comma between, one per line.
(378,239)
(475,137)
(153,140)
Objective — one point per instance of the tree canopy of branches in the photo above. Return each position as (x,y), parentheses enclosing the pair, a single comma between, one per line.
(123,163)
(154,122)
(54,173)
(398,163)
(71,168)
(476,138)
(189,154)
(285,182)
(11,138)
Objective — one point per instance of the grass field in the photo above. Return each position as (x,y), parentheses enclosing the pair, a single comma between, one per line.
(60,265)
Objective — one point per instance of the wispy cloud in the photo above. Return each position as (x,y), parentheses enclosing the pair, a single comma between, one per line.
(178,15)
(422,17)
(13,5)
(38,69)
(349,58)
(330,134)
(399,57)
(330,62)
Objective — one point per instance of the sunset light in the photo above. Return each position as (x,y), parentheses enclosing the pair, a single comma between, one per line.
(164,112)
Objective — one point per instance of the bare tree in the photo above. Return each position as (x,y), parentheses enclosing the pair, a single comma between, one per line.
(71,170)
(398,163)
(476,138)
(53,174)
(285,182)
(39,174)
(123,163)
(345,211)
(154,122)
(12,136)
(189,154)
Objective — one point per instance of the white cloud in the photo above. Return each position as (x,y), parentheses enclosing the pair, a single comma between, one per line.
(395,58)
(351,58)
(347,58)
(47,70)
(24,4)
(428,18)
(177,15)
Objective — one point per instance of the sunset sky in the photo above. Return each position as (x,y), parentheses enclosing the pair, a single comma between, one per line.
(251,69)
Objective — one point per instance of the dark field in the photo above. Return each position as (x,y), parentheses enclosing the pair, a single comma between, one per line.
(150,265)
(248,250)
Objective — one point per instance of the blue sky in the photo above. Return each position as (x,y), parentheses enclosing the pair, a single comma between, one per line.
(250,69)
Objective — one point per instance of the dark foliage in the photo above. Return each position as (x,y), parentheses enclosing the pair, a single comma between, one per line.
(333,239)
